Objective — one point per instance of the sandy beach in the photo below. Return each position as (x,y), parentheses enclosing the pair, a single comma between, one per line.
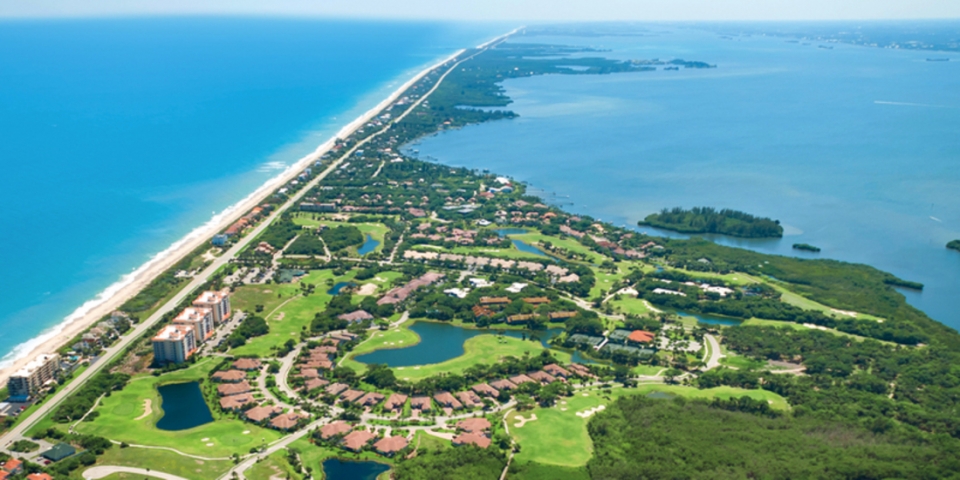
(117,294)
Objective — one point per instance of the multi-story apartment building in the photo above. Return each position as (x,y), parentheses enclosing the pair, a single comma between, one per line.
(217,302)
(174,344)
(29,379)
(200,318)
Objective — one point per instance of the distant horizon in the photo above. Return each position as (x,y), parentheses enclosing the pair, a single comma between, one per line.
(547,11)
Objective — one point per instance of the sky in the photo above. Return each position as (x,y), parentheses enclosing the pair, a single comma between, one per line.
(501,10)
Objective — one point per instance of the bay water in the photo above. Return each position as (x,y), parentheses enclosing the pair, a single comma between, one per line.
(854,149)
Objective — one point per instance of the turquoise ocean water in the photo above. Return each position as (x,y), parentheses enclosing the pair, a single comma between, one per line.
(120,136)
(855,149)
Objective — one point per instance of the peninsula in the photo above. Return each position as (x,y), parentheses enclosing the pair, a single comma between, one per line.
(954,245)
(441,322)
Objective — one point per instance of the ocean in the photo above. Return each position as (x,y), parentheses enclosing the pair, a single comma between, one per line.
(854,149)
(120,136)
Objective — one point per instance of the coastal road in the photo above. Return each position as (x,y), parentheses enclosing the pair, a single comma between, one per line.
(107,470)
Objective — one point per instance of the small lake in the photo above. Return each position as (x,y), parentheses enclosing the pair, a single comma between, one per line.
(520,244)
(336,469)
(712,320)
(183,407)
(440,342)
(368,246)
(335,290)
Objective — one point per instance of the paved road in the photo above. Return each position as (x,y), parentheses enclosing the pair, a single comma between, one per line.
(715,354)
(106,470)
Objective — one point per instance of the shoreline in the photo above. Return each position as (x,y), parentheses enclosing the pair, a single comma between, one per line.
(116,294)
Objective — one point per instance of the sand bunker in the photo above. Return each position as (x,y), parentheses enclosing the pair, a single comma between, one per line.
(246,432)
(367,289)
(521,421)
(205,439)
(147,410)
(590,411)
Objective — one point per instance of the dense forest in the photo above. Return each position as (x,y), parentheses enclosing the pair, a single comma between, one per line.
(710,220)
(342,237)
(463,463)
(641,438)
(954,245)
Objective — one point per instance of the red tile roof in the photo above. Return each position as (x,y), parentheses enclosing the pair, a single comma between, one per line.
(357,439)
(334,429)
(484,389)
(420,403)
(518,379)
(285,421)
(641,336)
(474,425)
(233,388)
(247,364)
(391,445)
(395,401)
(351,395)
(471,439)
(230,376)
(235,402)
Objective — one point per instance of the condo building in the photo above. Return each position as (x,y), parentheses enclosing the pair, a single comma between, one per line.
(29,379)
(217,302)
(174,344)
(200,318)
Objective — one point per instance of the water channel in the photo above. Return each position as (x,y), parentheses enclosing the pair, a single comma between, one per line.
(440,342)
(183,407)
(520,244)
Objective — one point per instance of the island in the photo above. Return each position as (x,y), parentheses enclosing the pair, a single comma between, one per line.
(806,247)
(711,220)
(954,245)
(443,322)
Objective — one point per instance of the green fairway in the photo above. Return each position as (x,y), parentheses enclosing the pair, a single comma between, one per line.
(480,349)
(629,305)
(565,243)
(606,281)
(559,436)
(275,466)
(508,253)
(121,418)
(161,461)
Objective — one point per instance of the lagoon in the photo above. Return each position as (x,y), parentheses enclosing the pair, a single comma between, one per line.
(183,407)
(520,244)
(440,342)
(335,290)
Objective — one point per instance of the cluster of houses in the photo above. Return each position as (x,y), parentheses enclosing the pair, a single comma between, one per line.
(236,394)
(455,235)
(561,274)
(238,226)
(321,358)
(487,307)
(399,294)
(13,468)
(356,440)
(178,341)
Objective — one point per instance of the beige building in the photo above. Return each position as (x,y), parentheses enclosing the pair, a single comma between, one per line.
(200,318)
(174,344)
(29,379)
(217,302)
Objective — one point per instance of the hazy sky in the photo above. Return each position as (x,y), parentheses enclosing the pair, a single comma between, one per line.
(523,10)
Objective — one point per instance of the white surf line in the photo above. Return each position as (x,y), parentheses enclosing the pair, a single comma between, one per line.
(910,104)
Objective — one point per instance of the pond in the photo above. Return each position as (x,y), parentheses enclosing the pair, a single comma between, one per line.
(183,406)
(368,246)
(336,469)
(520,244)
(335,290)
(712,320)
(440,342)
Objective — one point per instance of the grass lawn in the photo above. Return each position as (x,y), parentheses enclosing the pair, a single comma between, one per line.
(162,461)
(629,305)
(797,326)
(274,466)
(606,280)
(425,441)
(480,349)
(559,437)
(399,337)
(119,412)
(288,314)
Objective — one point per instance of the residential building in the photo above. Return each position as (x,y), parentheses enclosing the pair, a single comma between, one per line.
(474,425)
(335,429)
(485,390)
(29,379)
(230,376)
(247,364)
(174,344)
(391,445)
(200,318)
(357,439)
(481,441)
(218,302)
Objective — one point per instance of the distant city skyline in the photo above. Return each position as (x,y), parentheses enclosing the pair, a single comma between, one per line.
(504,10)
